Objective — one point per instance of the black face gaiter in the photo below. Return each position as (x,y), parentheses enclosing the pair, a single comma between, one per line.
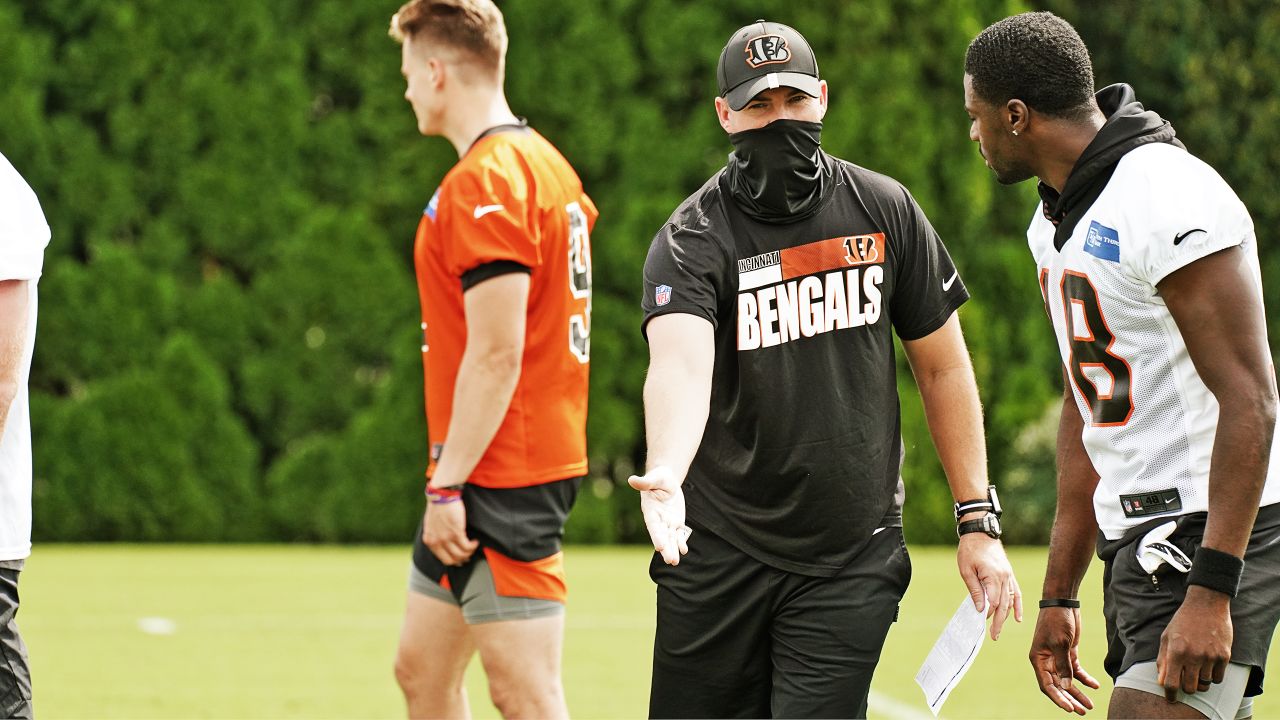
(778,173)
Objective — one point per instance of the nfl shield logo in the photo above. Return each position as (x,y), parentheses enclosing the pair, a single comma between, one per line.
(662,295)
(430,209)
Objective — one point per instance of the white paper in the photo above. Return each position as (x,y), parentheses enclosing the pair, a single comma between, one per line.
(952,654)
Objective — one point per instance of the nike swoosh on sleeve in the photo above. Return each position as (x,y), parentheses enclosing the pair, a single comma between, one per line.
(946,284)
(1177,239)
(482,210)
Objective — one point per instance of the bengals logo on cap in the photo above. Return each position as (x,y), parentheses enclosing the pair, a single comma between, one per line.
(767,50)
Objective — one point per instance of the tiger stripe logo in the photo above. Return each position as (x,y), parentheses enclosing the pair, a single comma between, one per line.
(767,50)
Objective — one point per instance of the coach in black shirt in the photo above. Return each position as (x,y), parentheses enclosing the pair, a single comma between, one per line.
(772,490)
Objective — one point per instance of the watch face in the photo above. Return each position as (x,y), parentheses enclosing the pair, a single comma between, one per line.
(992,524)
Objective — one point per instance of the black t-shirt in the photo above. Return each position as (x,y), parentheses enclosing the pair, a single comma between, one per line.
(801,457)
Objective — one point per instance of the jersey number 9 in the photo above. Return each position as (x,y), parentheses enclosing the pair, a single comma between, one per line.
(579,282)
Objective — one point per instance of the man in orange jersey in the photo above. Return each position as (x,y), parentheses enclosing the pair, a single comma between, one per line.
(504,276)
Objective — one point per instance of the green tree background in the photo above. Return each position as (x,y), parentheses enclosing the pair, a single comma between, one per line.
(228,343)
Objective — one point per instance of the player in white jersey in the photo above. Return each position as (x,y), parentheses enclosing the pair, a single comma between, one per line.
(1149,271)
(23,237)
(1151,419)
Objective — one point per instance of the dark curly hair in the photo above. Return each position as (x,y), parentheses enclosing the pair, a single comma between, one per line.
(1035,57)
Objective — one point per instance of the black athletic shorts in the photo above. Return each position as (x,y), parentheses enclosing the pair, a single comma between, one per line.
(1138,606)
(519,531)
(738,638)
(15,673)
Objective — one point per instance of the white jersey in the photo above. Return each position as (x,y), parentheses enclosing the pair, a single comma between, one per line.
(23,237)
(1149,420)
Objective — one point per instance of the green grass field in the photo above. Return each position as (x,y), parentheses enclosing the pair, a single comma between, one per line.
(309,632)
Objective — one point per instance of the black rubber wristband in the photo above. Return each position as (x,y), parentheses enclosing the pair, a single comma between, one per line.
(1059,602)
(1216,570)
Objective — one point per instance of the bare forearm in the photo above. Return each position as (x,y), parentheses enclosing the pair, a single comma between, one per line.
(1070,550)
(940,364)
(13,341)
(1217,304)
(676,404)
(1241,453)
(8,391)
(954,414)
(1075,527)
(482,394)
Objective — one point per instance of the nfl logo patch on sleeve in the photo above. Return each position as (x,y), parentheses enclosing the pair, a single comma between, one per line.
(430,209)
(662,295)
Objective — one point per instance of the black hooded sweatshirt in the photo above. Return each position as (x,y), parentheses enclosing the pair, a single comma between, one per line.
(1128,126)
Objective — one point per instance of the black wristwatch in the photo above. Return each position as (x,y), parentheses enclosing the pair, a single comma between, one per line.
(989,524)
(991,503)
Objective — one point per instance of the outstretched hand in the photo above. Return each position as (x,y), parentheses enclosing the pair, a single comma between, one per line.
(662,503)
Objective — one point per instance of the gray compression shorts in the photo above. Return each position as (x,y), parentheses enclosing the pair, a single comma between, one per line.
(1222,701)
(480,601)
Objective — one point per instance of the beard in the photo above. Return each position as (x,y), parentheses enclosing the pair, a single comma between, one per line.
(1013,178)
(1011,173)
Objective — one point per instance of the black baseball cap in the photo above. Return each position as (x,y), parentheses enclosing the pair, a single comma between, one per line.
(765,55)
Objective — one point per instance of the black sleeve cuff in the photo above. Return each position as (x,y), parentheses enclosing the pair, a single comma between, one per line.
(953,304)
(683,309)
(490,270)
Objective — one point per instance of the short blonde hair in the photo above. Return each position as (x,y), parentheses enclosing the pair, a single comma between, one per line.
(473,27)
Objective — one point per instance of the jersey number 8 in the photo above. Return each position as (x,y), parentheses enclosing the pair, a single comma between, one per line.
(1091,342)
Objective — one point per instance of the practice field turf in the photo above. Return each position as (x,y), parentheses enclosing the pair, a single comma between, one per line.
(309,632)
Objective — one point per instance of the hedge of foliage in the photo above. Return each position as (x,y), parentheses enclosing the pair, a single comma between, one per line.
(228,342)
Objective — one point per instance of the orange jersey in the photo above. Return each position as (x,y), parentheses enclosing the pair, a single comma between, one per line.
(513,198)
